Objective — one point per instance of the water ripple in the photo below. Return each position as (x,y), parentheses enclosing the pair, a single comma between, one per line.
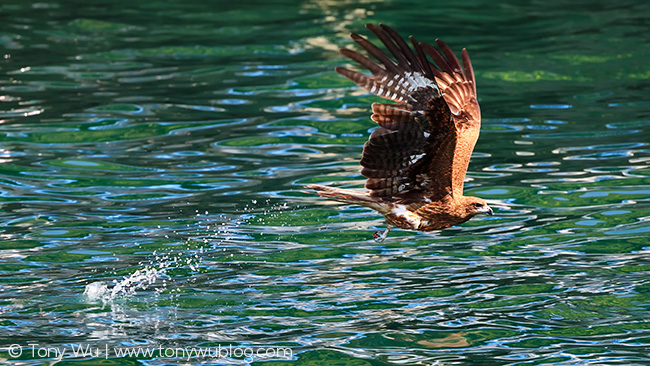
(156,165)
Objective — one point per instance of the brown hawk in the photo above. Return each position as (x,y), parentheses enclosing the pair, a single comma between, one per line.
(416,160)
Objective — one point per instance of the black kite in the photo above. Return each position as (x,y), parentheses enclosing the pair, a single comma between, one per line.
(416,160)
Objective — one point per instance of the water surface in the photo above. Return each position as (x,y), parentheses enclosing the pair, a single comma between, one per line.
(153,155)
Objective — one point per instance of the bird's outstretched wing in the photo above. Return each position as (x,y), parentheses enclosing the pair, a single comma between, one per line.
(425,140)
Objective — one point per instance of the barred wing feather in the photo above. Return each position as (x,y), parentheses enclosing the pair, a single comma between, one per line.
(422,147)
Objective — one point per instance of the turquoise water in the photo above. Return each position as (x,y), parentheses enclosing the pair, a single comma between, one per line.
(153,155)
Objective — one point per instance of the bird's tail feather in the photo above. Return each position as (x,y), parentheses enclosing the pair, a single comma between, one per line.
(346,195)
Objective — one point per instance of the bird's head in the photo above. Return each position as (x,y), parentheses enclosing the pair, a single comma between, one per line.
(475,206)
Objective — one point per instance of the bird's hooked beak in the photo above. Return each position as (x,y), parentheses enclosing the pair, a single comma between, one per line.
(487,210)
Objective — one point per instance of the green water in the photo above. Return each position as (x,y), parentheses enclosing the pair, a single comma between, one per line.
(160,148)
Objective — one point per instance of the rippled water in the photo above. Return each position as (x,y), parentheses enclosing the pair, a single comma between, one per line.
(153,156)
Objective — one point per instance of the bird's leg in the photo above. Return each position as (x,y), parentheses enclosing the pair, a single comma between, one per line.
(379,235)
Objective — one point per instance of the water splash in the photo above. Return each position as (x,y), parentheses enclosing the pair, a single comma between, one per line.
(95,291)
(129,285)
(140,279)
(191,256)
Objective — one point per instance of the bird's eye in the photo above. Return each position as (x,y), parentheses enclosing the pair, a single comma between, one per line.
(478,204)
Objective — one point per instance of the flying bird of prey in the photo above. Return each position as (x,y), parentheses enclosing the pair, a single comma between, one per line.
(416,160)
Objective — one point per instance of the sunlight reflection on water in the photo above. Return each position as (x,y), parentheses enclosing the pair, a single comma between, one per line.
(156,165)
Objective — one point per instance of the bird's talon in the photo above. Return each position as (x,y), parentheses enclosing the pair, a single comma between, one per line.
(380,235)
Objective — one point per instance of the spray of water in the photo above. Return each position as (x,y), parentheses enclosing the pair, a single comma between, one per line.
(155,272)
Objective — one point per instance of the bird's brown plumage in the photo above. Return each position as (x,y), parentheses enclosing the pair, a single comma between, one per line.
(417,159)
